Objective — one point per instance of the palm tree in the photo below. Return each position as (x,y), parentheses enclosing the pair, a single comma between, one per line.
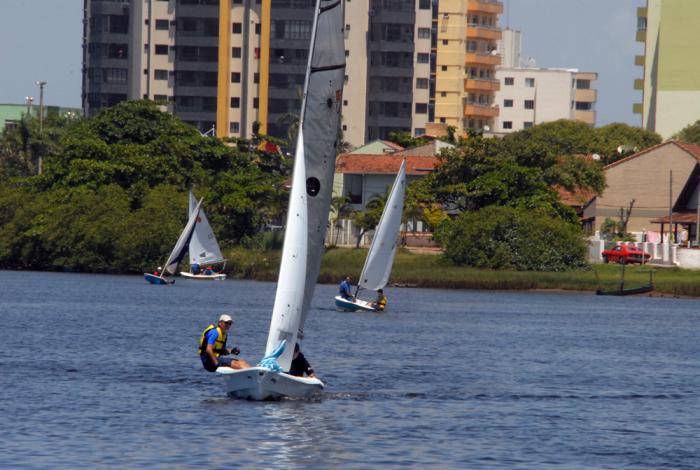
(341,208)
(369,219)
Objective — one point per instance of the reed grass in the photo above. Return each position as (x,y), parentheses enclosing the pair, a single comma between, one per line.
(433,271)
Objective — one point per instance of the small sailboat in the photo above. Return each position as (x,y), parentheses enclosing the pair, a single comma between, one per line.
(178,253)
(307,216)
(380,258)
(204,250)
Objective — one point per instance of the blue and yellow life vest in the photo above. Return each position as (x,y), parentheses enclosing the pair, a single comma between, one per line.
(219,346)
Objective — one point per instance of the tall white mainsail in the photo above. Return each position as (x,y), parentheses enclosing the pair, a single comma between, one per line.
(380,258)
(182,244)
(312,182)
(203,247)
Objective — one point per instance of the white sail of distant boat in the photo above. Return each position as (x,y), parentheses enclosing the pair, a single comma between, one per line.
(380,257)
(178,252)
(204,249)
(307,216)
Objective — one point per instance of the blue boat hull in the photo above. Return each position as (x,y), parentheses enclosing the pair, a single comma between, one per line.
(152,279)
(346,305)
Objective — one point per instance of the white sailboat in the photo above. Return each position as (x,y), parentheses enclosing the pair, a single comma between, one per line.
(307,216)
(380,258)
(178,253)
(204,250)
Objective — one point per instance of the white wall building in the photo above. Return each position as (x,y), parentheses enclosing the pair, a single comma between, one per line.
(530,95)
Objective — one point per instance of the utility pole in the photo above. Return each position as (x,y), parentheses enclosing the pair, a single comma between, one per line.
(41,121)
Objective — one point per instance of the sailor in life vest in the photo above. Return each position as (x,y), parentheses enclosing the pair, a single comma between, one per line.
(380,303)
(212,345)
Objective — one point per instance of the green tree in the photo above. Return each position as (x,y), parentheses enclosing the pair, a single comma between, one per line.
(615,141)
(690,133)
(340,209)
(512,238)
(369,219)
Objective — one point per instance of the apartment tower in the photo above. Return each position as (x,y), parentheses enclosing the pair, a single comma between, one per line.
(670,83)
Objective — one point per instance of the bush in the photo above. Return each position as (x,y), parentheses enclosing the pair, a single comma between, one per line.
(499,237)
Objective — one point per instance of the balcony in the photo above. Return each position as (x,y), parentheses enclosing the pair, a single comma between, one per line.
(639,60)
(478,31)
(485,6)
(586,95)
(641,36)
(585,116)
(477,84)
(480,110)
(637,108)
(480,58)
(638,83)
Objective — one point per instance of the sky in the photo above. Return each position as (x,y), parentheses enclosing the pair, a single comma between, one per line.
(42,40)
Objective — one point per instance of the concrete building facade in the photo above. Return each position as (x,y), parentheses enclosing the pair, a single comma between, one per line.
(530,95)
(671,77)
(228,64)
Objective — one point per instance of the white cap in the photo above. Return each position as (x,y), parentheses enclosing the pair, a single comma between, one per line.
(225,317)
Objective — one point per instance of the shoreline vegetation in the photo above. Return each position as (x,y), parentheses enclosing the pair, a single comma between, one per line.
(433,271)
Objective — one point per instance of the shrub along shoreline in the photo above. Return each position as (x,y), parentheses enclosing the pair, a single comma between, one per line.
(431,271)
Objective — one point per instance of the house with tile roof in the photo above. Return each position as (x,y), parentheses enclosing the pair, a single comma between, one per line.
(663,181)
(361,175)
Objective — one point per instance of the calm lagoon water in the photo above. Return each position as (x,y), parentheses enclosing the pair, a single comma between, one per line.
(102,371)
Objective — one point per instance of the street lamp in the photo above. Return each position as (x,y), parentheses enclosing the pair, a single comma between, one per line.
(41,84)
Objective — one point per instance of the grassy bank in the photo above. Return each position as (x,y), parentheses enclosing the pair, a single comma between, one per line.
(432,271)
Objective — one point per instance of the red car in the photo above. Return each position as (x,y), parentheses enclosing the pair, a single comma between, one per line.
(625,254)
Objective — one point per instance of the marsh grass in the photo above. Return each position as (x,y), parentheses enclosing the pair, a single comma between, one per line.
(433,271)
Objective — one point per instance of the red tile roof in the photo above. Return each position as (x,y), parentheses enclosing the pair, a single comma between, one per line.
(577,197)
(385,164)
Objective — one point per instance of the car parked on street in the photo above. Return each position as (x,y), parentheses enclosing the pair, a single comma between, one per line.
(625,254)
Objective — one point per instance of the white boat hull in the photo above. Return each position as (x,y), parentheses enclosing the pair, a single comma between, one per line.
(345,305)
(260,383)
(206,277)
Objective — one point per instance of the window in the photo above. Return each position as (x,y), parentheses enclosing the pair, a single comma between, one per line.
(422,58)
(527,124)
(235,102)
(445,42)
(256,78)
(507,124)
(235,77)
(160,98)
(423,33)
(507,103)
(422,83)
(234,128)
(583,84)
(424,4)
(419,131)
(347,53)
(444,68)
(236,52)
(421,108)
(256,102)
(161,49)
(237,28)
(584,106)
(530,82)
(529,104)
(258,28)
(162,25)
(160,74)
(509,81)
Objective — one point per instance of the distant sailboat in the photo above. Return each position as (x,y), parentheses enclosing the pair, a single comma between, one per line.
(380,257)
(204,250)
(307,217)
(178,252)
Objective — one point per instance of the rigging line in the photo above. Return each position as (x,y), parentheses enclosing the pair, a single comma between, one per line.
(328,7)
(327,68)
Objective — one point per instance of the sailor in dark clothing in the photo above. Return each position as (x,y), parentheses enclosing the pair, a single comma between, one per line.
(300,365)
